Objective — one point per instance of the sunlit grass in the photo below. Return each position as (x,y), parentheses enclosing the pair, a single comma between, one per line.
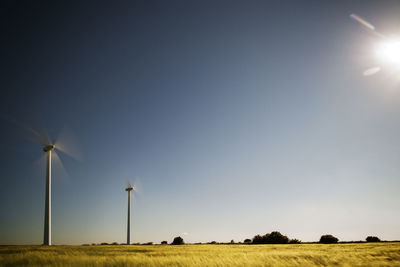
(364,254)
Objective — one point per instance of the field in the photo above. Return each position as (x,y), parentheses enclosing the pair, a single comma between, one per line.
(362,254)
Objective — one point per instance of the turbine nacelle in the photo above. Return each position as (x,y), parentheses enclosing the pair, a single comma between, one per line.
(129,188)
(48,148)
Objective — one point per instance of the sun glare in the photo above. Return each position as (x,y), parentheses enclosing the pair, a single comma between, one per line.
(389,51)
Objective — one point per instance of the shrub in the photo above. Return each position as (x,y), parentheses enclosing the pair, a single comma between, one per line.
(232,241)
(271,238)
(373,239)
(104,244)
(178,241)
(247,241)
(213,242)
(294,241)
(148,243)
(164,242)
(328,239)
(114,243)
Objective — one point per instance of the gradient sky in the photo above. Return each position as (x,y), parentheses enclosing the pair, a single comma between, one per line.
(239,118)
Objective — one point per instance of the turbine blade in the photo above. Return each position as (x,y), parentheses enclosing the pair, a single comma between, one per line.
(29,132)
(38,125)
(137,185)
(39,165)
(134,199)
(58,167)
(67,143)
(127,183)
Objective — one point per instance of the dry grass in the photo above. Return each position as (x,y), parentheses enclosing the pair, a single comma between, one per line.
(364,254)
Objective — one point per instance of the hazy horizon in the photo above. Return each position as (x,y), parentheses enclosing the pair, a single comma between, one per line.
(238,117)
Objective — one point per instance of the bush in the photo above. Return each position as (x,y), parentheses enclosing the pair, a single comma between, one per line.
(232,241)
(247,241)
(373,239)
(213,242)
(114,243)
(178,241)
(328,239)
(148,243)
(294,241)
(104,244)
(271,238)
(164,242)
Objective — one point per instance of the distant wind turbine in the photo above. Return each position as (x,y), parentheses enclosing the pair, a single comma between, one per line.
(129,189)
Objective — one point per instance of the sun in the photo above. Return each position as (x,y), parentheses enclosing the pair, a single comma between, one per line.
(389,51)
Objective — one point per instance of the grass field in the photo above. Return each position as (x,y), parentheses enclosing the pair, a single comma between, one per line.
(363,254)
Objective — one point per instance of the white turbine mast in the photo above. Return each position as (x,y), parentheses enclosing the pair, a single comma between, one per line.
(128,234)
(47,206)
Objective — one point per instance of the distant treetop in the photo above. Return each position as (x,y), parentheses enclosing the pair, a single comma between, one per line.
(271,238)
(328,239)
(178,241)
(373,239)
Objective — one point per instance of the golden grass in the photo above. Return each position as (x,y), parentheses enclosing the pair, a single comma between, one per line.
(364,254)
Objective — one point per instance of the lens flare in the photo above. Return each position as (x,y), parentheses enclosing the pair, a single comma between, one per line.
(362,21)
(371,71)
(389,51)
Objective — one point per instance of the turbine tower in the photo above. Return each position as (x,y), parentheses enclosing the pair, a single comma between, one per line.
(47,213)
(61,144)
(128,236)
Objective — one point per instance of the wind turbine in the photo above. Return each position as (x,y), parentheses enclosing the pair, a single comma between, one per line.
(129,188)
(63,143)
(50,149)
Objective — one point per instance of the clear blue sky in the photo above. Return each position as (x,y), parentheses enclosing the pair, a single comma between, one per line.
(239,117)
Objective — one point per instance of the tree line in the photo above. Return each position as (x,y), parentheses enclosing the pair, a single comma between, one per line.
(274,237)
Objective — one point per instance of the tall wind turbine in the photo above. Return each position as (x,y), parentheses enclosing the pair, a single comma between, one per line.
(128,234)
(64,143)
(50,150)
